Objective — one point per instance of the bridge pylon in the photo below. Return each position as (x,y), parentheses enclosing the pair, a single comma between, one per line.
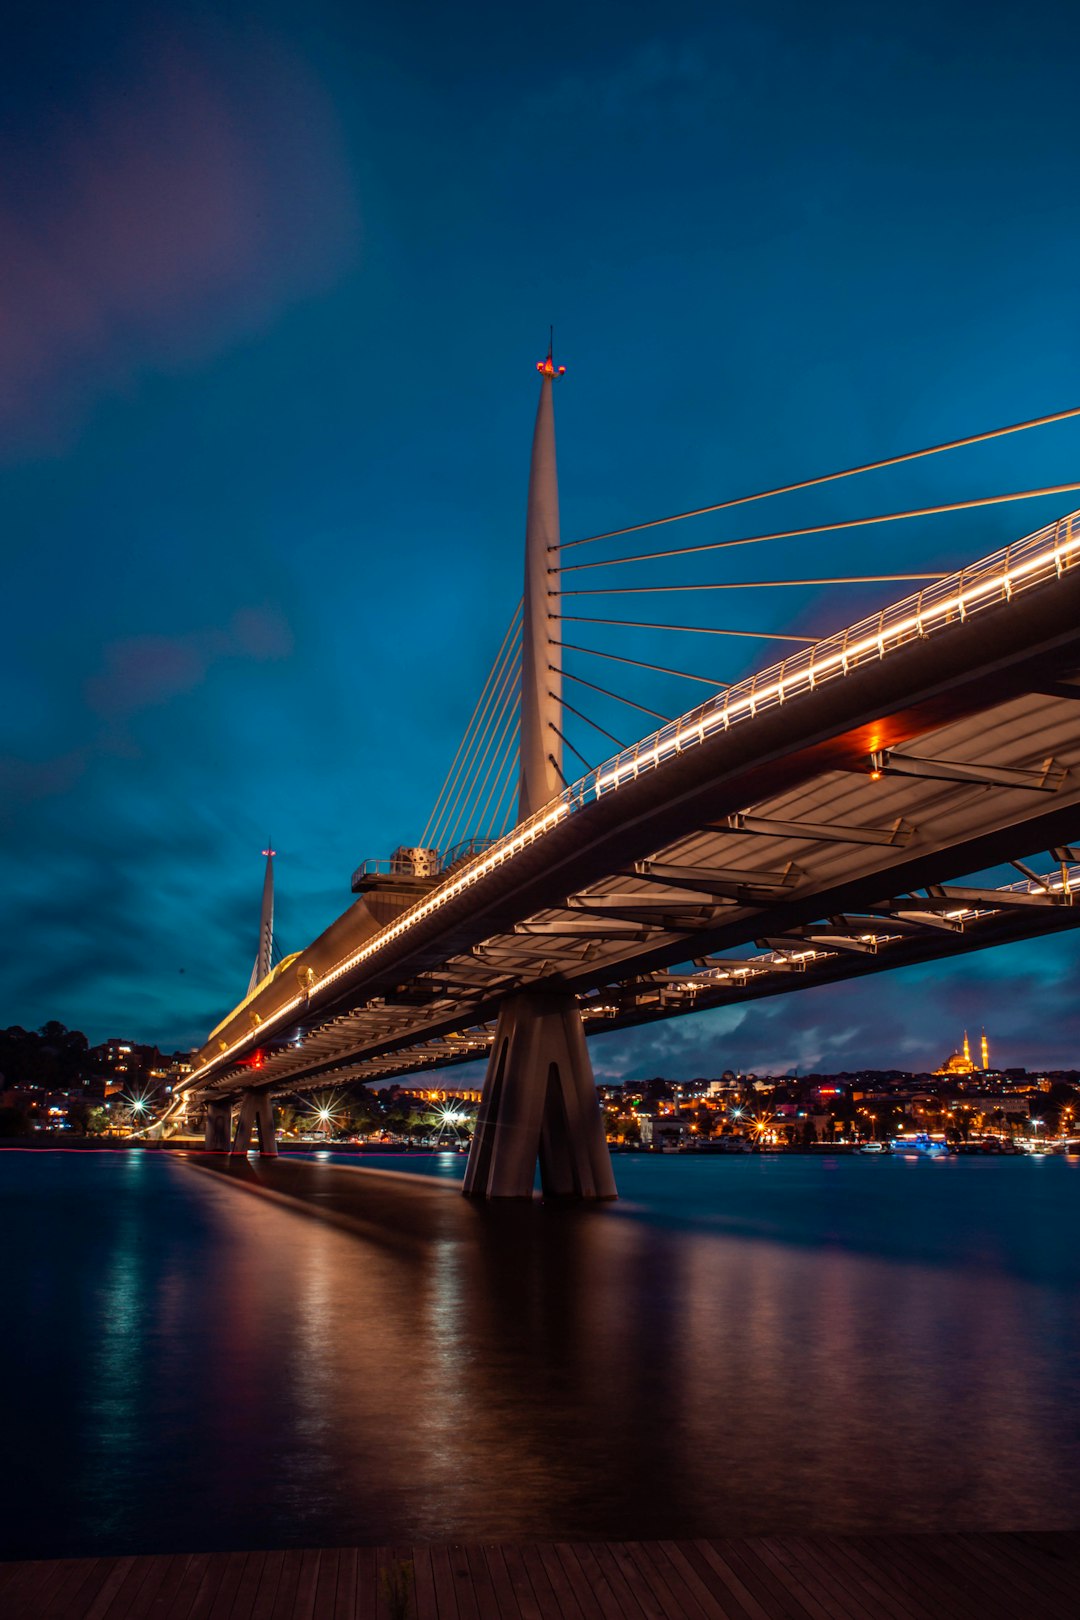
(256,1118)
(540,1101)
(218,1125)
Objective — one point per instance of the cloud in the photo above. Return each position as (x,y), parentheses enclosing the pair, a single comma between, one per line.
(190,193)
(143,671)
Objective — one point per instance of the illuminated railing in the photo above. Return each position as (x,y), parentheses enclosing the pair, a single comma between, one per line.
(1022,566)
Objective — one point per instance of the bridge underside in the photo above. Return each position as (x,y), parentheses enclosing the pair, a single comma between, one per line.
(827,835)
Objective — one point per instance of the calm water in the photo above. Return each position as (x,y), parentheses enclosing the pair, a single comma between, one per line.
(740,1345)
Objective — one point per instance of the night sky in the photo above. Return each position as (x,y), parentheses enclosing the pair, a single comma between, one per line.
(273,282)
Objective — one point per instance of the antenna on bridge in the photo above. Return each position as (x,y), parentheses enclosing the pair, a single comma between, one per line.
(541,778)
(265,953)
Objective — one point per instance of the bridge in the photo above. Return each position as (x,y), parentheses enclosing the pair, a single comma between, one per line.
(831,815)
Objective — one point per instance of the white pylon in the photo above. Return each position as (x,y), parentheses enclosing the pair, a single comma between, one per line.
(541,778)
(540,1103)
(264,956)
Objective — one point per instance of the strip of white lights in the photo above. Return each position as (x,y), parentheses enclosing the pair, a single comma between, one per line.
(999,577)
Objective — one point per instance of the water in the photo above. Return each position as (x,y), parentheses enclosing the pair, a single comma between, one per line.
(741,1345)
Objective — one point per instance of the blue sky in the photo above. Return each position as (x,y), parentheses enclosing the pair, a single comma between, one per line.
(272,286)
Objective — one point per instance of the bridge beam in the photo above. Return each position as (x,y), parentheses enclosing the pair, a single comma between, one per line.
(218,1125)
(539,1104)
(256,1117)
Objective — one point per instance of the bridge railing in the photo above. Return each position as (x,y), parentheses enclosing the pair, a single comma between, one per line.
(1024,564)
(1019,567)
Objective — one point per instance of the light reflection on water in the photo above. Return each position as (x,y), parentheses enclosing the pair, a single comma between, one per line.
(741,1345)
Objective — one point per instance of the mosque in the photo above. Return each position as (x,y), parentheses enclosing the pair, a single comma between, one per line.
(961,1063)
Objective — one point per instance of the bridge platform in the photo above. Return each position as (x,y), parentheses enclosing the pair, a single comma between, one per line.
(954,1577)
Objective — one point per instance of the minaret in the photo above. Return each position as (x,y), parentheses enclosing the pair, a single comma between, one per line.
(541,778)
(985,1052)
(967,1050)
(265,953)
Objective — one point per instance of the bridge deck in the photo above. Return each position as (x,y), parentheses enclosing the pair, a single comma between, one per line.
(954,1577)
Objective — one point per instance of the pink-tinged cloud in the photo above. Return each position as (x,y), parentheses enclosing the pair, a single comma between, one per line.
(144,671)
(181,206)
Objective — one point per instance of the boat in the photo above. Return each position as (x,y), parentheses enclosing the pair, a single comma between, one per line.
(873,1147)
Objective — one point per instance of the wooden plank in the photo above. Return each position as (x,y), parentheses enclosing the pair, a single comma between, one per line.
(571,1600)
(929,1577)
(326,1587)
(443,1578)
(32,1584)
(747,1579)
(1022,1568)
(483,1590)
(802,1575)
(592,1586)
(860,1578)
(793,1598)
(345,1597)
(598,1555)
(527,1600)
(920,1569)
(464,1595)
(266,1592)
(184,1598)
(856,1563)
(108,1589)
(306,1585)
(1001,1587)
(533,1565)
(675,1600)
(687,1573)
(89,1575)
(248,1587)
(71,1574)
(157,1606)
(646,1598)
(368,1583)
(427,1604)
(224,1594)
(157,1573)
(847,1593)
(501,1584)
(285,1592)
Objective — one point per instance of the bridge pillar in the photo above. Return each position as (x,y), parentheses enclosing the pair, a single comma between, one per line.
(256,1115)
(218,1126)
(539,1103)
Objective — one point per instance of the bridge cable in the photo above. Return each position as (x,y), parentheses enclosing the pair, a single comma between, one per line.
(481,743)
(750,584)
(704,680)
(596,727)
(484,829)
(504,812)
(501,724)
(581,681)
(447,789)
(688,629)
(450,777)
(568,744)
(828,528)
(826,478)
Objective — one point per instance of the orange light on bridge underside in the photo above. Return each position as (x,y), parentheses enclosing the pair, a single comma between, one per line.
(548,368)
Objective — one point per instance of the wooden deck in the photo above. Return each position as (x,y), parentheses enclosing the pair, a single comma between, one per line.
(953,1577)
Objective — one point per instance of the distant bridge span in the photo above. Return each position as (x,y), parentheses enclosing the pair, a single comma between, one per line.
(801,810)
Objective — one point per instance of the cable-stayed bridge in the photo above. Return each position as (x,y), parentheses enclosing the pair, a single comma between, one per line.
(828,816)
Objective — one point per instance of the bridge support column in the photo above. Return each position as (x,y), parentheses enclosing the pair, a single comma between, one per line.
(218,1126)
(539,1102)
(256,1116)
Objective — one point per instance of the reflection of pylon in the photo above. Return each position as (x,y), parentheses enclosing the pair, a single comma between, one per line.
(264,956)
